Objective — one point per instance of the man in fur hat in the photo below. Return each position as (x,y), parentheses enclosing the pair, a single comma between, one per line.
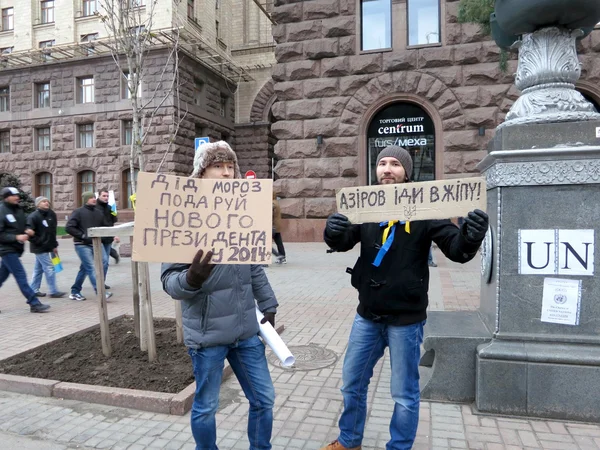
(13,235)
(219,322)
(43,244)
(392,279)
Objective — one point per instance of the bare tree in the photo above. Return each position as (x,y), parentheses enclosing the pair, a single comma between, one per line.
(131,38)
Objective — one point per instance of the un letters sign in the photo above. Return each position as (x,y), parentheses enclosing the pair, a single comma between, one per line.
(556,252)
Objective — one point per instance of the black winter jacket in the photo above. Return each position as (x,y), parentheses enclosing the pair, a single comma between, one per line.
(109,219)
(43,223)
(12,223)
(83,218)
(395,293)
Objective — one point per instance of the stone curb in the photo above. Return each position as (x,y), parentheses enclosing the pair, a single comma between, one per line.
(158,402)
(26,385)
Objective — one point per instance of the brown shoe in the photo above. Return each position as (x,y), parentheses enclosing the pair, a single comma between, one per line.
(335,445)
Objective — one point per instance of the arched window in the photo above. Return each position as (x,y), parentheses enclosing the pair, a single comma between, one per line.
(406,125)
(86,182)
(128,188)
(43,185)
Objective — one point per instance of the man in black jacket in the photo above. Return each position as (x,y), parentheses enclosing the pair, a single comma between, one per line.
(44,246)
(110,218)
(392,279)
(12,239)
(80,221)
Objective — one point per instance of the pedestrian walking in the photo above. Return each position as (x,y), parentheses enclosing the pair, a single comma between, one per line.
(80,221)
(44,245)
(281,259)
(430,260)
(13,235)
(219,322)
(392,279)
(110,218)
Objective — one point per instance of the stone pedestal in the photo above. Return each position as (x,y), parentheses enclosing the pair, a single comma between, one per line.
(542,176)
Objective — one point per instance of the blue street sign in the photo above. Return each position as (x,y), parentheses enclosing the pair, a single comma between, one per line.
(201,140)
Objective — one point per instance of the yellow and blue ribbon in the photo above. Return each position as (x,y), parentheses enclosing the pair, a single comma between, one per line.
(388,238)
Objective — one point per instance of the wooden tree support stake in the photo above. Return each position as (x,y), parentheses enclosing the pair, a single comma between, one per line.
(102,309)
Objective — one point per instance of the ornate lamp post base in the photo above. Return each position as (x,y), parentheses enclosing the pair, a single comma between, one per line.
(547,72)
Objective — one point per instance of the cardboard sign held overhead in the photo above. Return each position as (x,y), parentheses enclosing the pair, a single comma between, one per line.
(412,201)
(177,216)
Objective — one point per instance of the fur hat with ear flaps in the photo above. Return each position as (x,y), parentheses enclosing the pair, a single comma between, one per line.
(214,152)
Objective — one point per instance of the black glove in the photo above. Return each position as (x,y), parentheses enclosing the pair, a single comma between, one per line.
(337,224)
(200,270)
(269,317)
(477,223)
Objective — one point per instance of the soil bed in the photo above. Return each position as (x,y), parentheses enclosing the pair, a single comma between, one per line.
(78,359)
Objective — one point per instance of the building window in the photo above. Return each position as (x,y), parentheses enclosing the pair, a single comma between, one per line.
(85,135)
(48,11)
(127,132)
(128,187)
(46,53)
(138,31)
(376,24)
(4,99)
(406,125)
(42,95)
(43,183)
(423,22)
(89,7)
(85,90)
(223,105)
(43,139)
(5,141)
(8,19)
(190,9)
(6,50)
(127,87)
(217,32)
(198,92)
(137,3)
(88,40)
(86,182)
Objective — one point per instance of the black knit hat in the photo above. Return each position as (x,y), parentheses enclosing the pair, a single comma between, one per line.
(401,155)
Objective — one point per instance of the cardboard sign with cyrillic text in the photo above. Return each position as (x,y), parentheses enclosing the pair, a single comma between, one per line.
(177,216)
(412,201)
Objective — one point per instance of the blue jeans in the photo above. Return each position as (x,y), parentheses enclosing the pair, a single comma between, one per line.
(43,265)
(86,255)
(430,257)
(366,346)
(11,263)
(105,257)
(249,363)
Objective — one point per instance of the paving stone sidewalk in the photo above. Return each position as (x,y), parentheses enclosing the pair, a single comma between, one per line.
(317,307)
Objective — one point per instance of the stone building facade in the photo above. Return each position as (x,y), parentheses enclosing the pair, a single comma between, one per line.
(67,148)
(254,50)
(344,89)
(65,120)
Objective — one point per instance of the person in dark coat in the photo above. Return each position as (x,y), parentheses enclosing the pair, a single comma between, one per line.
(44,245)
(281,259)
(110,218)
(391,276)
(80,221)
(13,235)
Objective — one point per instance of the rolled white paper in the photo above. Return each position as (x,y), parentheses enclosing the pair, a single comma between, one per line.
(273,340)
